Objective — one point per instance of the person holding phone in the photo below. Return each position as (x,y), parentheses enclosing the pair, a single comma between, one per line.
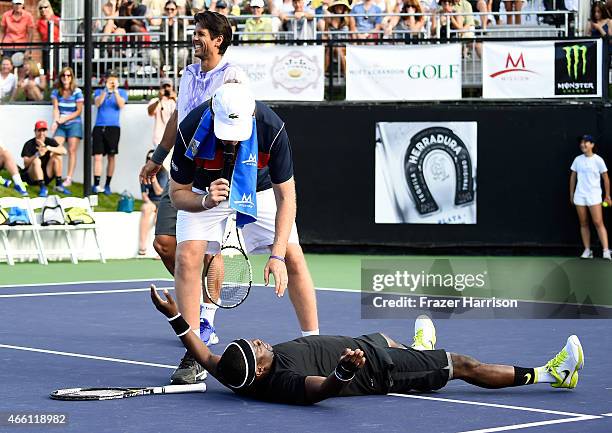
(161,108)
(107,131)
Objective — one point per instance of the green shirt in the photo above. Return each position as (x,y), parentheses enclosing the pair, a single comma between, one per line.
(465,7)
(263,25)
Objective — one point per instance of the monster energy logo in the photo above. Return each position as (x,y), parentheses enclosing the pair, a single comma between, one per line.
(577,52)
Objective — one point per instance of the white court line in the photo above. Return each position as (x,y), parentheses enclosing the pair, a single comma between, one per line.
(87,292)
(80,355)
(532,424)
(14,286)
(501,406)
(606,414)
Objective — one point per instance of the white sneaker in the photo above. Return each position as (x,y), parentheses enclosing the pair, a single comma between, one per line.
(424,334)
(606,255)
(67,182)
(98,189)
(564,367)
(587,254)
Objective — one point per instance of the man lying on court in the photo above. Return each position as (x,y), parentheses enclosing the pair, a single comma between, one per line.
(310,369)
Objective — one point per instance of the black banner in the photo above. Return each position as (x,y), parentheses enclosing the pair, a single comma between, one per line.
(576,68)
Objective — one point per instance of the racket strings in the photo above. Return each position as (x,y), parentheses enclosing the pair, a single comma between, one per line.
(229,279)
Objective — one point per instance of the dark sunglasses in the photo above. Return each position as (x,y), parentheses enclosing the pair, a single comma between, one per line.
(66,75)
(43,129)
(170,9)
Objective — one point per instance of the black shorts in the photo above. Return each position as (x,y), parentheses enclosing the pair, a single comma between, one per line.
(25,176)
(495,7)
(106,140)
(413,370)
(166,215)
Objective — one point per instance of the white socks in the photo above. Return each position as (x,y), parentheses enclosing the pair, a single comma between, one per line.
(207,312)
(544,376)
(17,180)
(308,333)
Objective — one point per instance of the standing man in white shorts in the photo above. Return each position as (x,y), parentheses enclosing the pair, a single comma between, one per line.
(211,38)
(201,197)
(589,168)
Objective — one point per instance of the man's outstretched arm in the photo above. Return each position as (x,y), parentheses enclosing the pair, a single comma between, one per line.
(319,388)
(190,340)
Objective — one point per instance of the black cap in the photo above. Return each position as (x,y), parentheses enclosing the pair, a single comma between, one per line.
(112,73)
(588,137)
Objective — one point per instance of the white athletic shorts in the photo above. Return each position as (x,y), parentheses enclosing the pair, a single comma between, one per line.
(209,225)
(587,200)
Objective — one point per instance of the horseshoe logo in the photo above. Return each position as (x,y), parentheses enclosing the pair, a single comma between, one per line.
(421,145)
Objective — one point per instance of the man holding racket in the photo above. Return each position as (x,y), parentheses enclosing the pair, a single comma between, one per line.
(201,196)
(311,369)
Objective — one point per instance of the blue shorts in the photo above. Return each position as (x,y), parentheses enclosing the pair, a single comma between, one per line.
(72,130)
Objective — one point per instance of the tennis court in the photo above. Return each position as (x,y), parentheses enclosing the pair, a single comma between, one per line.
(106,333)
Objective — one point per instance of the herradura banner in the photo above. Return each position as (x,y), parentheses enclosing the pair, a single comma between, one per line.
(542,69)
(410,73)
(278,73)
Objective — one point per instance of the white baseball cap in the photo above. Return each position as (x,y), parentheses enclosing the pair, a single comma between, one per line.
(233,105)
(257,3)
(17,2)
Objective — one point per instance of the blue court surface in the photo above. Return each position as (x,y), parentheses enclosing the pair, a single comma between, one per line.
(108,334)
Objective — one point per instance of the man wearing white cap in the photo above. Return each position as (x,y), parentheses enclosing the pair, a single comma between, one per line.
(201,196)
(258,28)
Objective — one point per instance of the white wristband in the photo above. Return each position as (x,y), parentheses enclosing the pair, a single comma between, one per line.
(204,202)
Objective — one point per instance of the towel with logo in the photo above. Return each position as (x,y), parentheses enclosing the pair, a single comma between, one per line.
(243,190)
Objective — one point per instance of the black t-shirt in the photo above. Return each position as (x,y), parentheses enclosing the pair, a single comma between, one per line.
(30,147)
(274,162)
(318,355)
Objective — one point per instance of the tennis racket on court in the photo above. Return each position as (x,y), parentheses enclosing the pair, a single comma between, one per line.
(228,276)
(82,394)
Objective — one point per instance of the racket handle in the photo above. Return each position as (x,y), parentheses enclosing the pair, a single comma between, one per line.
(177,389)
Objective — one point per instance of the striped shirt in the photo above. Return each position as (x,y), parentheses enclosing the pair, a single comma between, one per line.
(198,86)
(68,105)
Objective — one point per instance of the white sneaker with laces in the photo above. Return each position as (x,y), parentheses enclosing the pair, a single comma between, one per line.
(587,254)
(564,367)
(424,334)
(606,255)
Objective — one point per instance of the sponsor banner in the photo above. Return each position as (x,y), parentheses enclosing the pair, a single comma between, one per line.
(541,69)
(578,68)
(278,73)
(425,172)
(517,70)
(394,73)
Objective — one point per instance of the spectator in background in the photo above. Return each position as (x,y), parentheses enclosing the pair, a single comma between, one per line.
(33,84)
(8,80)
(599,22)
(7,162)
(151,196)
(107,131)
(480,6)
(67,101)
(300,25)
(46,16)
(338,27)
(407,26)
(464,7)
(110,9)
(155,9)
(162,108)
(493,7)
(258,24)
(42,158)
(17,26)
(513,6)
(589,169)
(175,33)
(223,7)
(282,8)
(442,23)
(129,8)
(367,26)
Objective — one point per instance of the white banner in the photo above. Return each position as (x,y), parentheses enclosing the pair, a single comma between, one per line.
(282,73)
(425,172)
(400,73)
(541,69)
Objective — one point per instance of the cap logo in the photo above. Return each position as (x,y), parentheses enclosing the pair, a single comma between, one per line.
(233,116)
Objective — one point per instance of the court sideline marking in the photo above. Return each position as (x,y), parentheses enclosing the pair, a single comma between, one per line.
(572,417)
(80,355)
(66,283)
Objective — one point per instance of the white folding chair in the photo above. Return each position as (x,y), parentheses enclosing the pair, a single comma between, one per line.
(38,203)
(69,202)
(23,203)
